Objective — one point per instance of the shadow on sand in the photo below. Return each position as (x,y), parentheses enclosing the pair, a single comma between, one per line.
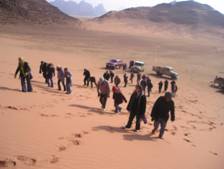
(128,134)
(111,129)
(44,87)
(138,137)
(92,109)
(9,89)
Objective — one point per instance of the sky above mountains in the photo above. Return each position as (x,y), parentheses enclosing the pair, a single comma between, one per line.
(122,4)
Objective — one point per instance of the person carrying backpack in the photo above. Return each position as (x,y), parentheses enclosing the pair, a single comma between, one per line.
(118,98)
(103,91)
(25,75)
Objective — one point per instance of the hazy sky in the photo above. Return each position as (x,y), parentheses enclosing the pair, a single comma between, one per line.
(121,4)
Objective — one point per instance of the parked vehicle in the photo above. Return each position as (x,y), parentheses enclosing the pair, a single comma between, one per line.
(166,70)
(114,64)
(137,66)
(218,82)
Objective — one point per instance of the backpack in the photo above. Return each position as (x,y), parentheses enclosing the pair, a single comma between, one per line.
(104,87)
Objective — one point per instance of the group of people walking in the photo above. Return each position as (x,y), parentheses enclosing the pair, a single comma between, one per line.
(166,86)
(48,71)
(64,77)
(162,110)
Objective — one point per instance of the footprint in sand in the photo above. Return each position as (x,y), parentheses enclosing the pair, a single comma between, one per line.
(26,160)
(186,134)
(48,115)
(187,140)
(173,133)
(61,148)
(54,159)
(76,142)
(193,145)
(78,135)
(7,163)
(85,132)
(213,153)
(12,107)
(61,138)
(68,115)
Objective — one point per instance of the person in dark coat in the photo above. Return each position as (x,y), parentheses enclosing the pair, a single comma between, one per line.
(61,78)
(106,75)
(136,107)
(43,70)
(111,76)
(87,76)
(93,81)
(118,98)
(125,79)
(149,85)
(50,75)
(166,83)
(160,86)
(161,111)
(117,80)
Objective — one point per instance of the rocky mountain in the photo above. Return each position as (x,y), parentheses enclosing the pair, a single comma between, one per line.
(83,9)
(181,13)
(35,11)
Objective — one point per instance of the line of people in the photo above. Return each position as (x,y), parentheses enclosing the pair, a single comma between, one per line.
(64,77)
(162,110)
(48,72)
(166,86)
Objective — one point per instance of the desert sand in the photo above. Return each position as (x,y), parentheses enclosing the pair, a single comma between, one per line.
(48,129)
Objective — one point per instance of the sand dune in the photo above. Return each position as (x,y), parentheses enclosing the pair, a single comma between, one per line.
(48,129)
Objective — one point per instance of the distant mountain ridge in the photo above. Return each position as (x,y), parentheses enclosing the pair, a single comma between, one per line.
(182,13)
(83,8)
(35,11)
